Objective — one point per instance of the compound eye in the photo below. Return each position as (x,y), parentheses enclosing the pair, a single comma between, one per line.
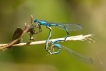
(35,20)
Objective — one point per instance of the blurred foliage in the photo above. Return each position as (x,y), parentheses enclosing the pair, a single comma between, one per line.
(91,14)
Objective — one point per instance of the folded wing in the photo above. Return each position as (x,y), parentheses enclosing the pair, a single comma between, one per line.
(78,56)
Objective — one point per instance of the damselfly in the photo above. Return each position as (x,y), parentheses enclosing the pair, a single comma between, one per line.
(66,27)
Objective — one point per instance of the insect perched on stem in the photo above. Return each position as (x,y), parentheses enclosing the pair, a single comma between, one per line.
(66,27)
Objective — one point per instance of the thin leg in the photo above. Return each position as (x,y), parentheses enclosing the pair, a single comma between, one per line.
(40,29)
(47,40)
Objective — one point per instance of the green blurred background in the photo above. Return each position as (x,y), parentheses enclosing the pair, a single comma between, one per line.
(91,14)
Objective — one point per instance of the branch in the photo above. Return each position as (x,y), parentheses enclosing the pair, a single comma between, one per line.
(26,29)
(72,38)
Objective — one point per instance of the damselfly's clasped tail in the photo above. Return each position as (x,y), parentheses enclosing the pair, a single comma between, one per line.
(66,27)
(76,55)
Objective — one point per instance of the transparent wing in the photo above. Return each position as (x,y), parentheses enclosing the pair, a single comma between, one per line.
(71,27)
(78,56)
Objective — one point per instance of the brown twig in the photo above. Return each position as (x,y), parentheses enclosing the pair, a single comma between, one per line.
(27,27)
(88,37)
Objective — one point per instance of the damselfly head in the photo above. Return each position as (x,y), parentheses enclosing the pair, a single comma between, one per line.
(35,20)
